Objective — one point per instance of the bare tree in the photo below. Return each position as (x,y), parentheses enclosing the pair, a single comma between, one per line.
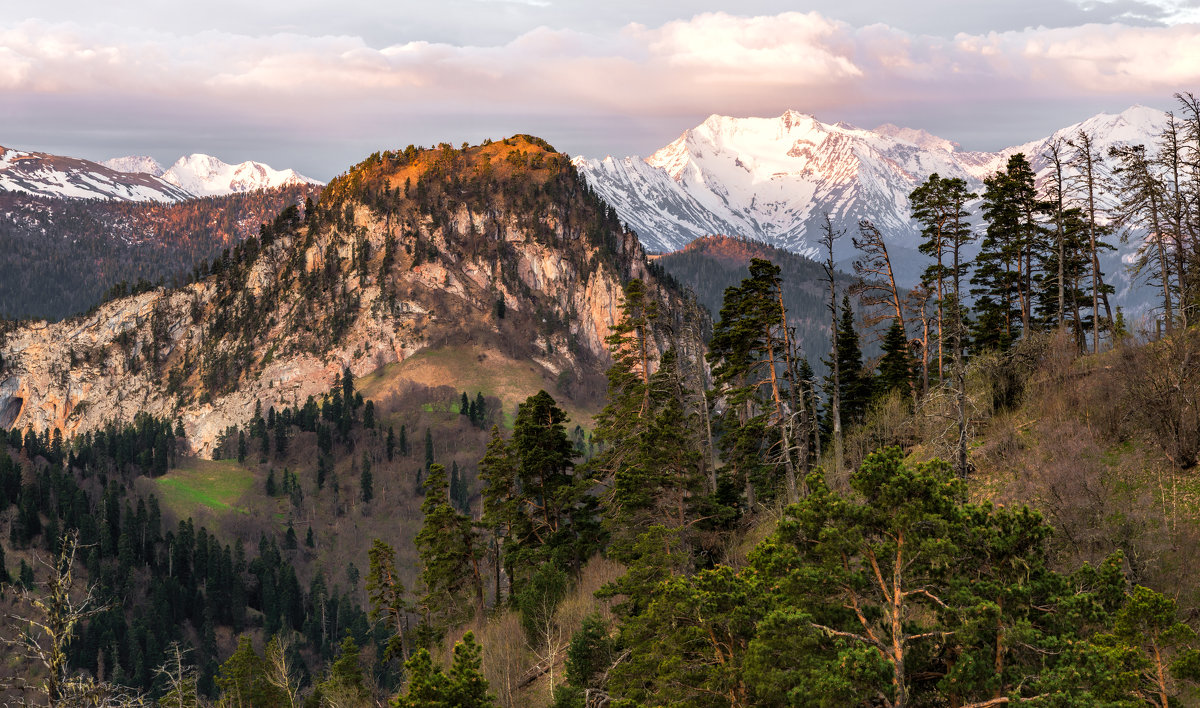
(1056,188)
(876,284)
(918,302)
(48,628)
(179,679)
(828,236)
(281,673)
(1170,161)
(1090,180)
(1142,207)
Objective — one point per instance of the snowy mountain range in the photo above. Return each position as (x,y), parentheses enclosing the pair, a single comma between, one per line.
(207,176)
(135,178)
(774,179)
(46,175)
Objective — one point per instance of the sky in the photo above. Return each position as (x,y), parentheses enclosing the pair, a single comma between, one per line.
(317,86)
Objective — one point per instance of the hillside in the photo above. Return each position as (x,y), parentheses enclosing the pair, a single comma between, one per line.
(59,257)
(310,377)
(500,248)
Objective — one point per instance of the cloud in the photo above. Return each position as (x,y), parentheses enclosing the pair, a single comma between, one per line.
(711,62)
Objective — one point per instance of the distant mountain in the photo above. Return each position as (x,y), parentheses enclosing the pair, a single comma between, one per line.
(136,178)
(206,176)
(774,179)
(135,163)
(46,175)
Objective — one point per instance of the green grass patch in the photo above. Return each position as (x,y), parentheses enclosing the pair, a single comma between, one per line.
(471,369)
(216,485)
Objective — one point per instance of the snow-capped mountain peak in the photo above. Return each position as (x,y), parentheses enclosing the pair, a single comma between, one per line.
(774,179)
(205,175)
(915,136)
(49,175)
(136,164)
(136,177)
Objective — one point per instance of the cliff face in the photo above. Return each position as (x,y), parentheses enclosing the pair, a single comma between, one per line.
(499,246)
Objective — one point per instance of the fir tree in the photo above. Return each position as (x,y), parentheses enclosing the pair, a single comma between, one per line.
(346,682)
(854,381)
(896,366)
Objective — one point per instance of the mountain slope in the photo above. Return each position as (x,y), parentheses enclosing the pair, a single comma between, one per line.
(205,175)
(46,175)
(774,179)
(59,256)
(136,177)
(500,247)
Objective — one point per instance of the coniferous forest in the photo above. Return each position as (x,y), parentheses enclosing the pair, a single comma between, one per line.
(1000,508)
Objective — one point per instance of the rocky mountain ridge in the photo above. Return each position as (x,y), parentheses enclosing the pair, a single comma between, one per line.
(501,245)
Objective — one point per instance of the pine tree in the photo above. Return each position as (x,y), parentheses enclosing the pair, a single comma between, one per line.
(752,359)
(468,688)
(271,488)
(390,445)
(464,405)
(449,556)
(427,685)
(365,480)
(558,509)
(387,597)
(1012,249)
(403,441)
(502,512)
(308,538)
(938,205)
